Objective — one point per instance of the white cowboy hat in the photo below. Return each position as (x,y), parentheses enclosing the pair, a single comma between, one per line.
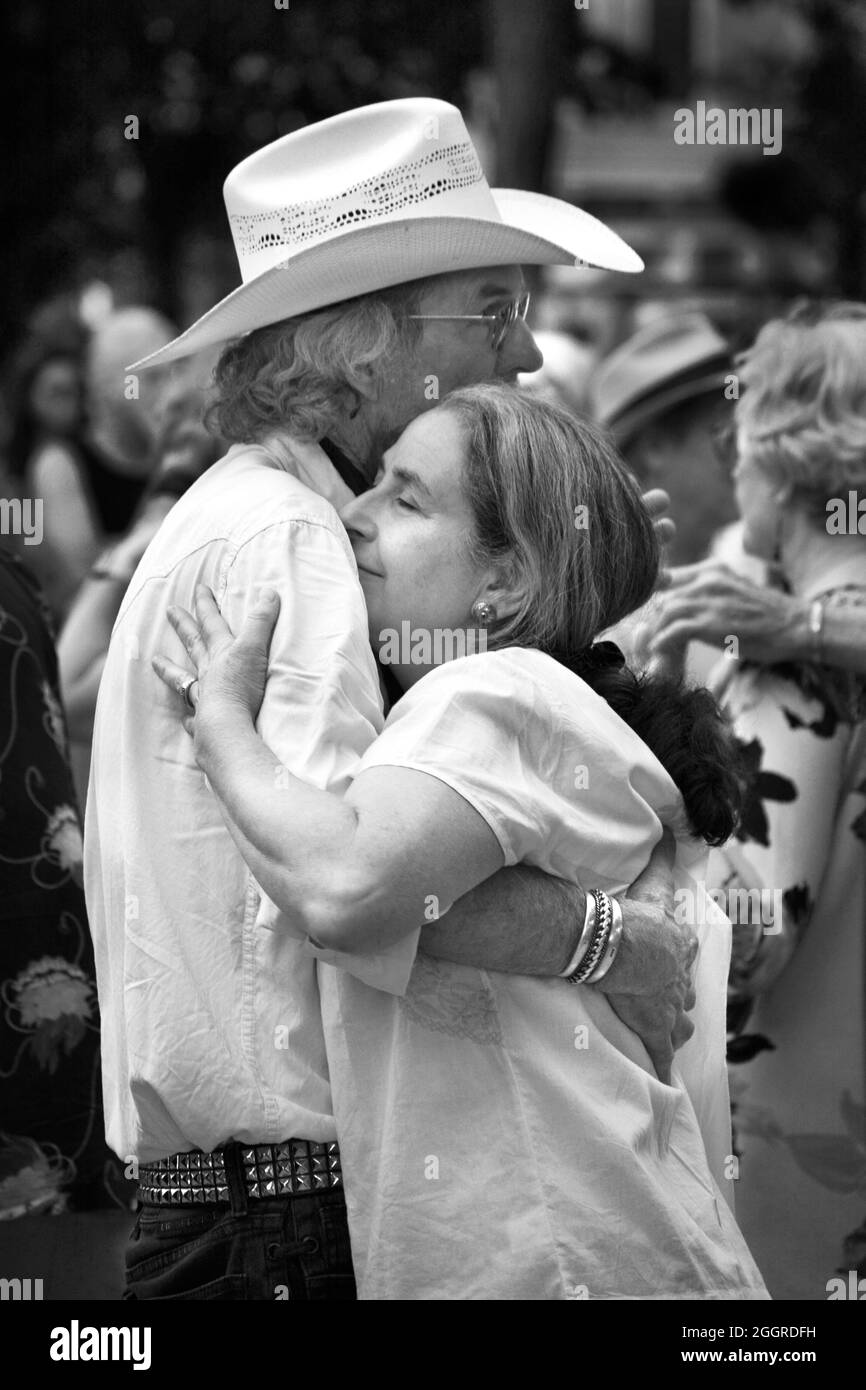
(372,198)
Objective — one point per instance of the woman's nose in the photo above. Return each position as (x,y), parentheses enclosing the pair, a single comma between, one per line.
(519,351)
(356,518)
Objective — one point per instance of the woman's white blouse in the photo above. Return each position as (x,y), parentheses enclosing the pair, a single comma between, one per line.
(505,1137)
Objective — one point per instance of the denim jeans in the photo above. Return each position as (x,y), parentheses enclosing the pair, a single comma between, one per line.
(270,1248)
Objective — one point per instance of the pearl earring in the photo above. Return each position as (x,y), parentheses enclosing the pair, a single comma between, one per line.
(483,613)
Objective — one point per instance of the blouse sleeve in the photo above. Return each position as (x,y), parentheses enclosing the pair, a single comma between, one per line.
(561,782)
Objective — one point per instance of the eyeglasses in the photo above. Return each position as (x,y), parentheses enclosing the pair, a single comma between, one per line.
(500,322)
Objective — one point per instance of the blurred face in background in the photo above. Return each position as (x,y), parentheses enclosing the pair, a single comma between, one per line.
(55,397)
(678,451)
(124,408)
(759,503)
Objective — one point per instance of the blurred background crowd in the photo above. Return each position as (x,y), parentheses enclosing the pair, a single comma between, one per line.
(128,117)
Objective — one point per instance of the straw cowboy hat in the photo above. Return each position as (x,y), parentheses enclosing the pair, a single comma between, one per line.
(676,358)
(372,198)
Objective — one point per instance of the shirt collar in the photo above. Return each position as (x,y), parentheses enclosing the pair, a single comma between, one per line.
(348,471)
(308,462)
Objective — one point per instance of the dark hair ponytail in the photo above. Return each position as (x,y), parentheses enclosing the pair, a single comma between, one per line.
(683,728)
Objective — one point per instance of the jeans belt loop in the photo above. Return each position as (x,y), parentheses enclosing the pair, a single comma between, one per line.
(235,1176)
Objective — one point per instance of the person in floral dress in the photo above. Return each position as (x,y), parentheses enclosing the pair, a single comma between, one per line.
(53,1155)
(795,874)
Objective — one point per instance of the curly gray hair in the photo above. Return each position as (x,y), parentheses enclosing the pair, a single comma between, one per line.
(803,409)
(304,373)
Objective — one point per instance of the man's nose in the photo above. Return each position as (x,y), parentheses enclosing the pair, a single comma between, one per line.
(519,351)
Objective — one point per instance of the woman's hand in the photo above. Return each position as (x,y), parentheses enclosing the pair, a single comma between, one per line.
(710,602)
(229,671)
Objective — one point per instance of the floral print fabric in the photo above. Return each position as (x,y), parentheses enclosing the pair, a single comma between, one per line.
(797,1011)
(52,1148)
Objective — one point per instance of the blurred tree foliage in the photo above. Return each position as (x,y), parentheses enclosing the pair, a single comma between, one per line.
(207,84)
(821,172)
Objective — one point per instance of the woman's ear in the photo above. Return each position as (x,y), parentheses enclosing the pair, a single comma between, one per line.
(504,590)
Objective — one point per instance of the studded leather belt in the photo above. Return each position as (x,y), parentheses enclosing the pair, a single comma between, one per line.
(270,1170)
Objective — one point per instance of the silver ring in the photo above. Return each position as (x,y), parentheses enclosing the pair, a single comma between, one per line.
(184,692)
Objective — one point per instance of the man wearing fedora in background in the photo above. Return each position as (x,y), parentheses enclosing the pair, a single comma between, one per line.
(379,272)
(662,396)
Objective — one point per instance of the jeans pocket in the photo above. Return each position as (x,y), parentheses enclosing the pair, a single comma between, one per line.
(172,1223)
(187,1248)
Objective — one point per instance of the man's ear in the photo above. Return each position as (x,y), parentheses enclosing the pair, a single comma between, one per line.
(366,383)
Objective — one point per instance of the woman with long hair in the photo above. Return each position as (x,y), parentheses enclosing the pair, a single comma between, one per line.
(505,1137)
(47,459)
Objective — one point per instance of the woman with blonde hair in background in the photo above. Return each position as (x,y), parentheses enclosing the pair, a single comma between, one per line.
(798,997)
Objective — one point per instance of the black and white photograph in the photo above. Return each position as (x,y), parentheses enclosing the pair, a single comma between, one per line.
(433,665)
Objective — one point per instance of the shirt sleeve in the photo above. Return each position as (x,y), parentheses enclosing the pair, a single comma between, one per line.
(322,705)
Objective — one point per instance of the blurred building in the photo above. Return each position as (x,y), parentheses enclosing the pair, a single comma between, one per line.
(722,227)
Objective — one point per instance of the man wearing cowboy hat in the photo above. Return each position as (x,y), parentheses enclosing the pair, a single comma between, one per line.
(379,272)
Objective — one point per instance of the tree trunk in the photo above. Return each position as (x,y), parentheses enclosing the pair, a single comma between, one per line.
(526,41)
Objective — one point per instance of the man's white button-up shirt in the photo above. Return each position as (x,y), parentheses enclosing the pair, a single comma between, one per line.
(211,1025)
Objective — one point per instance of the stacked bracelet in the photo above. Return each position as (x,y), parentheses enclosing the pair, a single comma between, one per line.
(595,955)
(586,935)
(604,919)
(608,955)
